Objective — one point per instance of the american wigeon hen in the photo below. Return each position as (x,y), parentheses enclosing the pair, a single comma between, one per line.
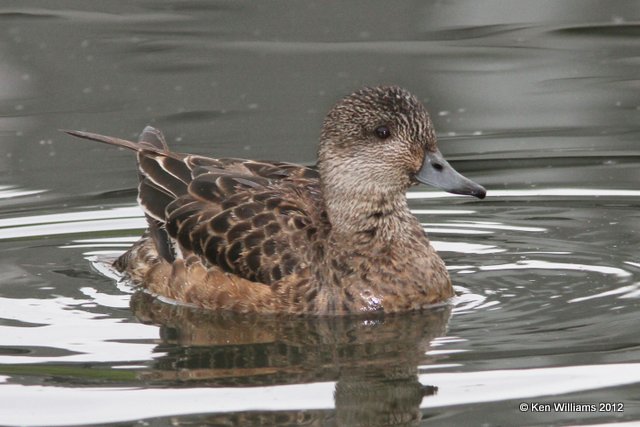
(275,237)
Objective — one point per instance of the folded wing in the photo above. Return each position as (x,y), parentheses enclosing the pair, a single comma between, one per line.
(248,218)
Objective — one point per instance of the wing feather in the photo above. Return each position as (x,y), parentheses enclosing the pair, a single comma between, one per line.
(153,167)
(247,217)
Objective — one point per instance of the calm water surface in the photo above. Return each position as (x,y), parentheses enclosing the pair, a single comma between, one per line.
(538,101)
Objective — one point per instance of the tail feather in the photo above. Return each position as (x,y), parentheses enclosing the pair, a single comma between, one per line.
(157,187)
(151,139)
(152,195)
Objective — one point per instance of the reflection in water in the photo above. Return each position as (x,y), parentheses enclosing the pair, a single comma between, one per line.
(372,360)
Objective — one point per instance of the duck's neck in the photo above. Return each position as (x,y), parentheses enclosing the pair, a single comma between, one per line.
(362,215)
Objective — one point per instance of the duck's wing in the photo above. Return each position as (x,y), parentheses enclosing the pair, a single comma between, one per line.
(247,217)
(251,226)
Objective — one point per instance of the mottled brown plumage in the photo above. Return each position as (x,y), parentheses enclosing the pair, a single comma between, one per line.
(274,237)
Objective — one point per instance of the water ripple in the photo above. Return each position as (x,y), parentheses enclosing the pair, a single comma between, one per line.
(630,291)
(546,265)
(121,218)
(10,192)
(17,401)
(534,192)
(95,337)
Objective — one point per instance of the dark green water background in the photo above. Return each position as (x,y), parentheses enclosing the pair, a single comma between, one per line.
(538,101)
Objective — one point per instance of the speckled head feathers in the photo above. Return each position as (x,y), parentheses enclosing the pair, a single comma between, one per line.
(381,132)
(359,114)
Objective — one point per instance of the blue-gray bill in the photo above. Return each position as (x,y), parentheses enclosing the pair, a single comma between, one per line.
(437,172)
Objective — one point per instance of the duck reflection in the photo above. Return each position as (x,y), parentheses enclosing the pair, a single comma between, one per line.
(373,361)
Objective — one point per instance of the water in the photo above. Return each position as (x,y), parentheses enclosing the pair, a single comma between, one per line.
(538,101)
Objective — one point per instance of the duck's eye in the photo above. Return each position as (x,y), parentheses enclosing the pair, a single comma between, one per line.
(382,132)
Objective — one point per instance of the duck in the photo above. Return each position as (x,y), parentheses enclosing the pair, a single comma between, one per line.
(272,237)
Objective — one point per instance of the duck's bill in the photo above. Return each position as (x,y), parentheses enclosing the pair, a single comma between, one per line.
(437,172)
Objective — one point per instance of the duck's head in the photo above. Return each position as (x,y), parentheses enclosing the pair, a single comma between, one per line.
(382,137)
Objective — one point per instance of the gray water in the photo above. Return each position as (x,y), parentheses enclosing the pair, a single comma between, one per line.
(538,101)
